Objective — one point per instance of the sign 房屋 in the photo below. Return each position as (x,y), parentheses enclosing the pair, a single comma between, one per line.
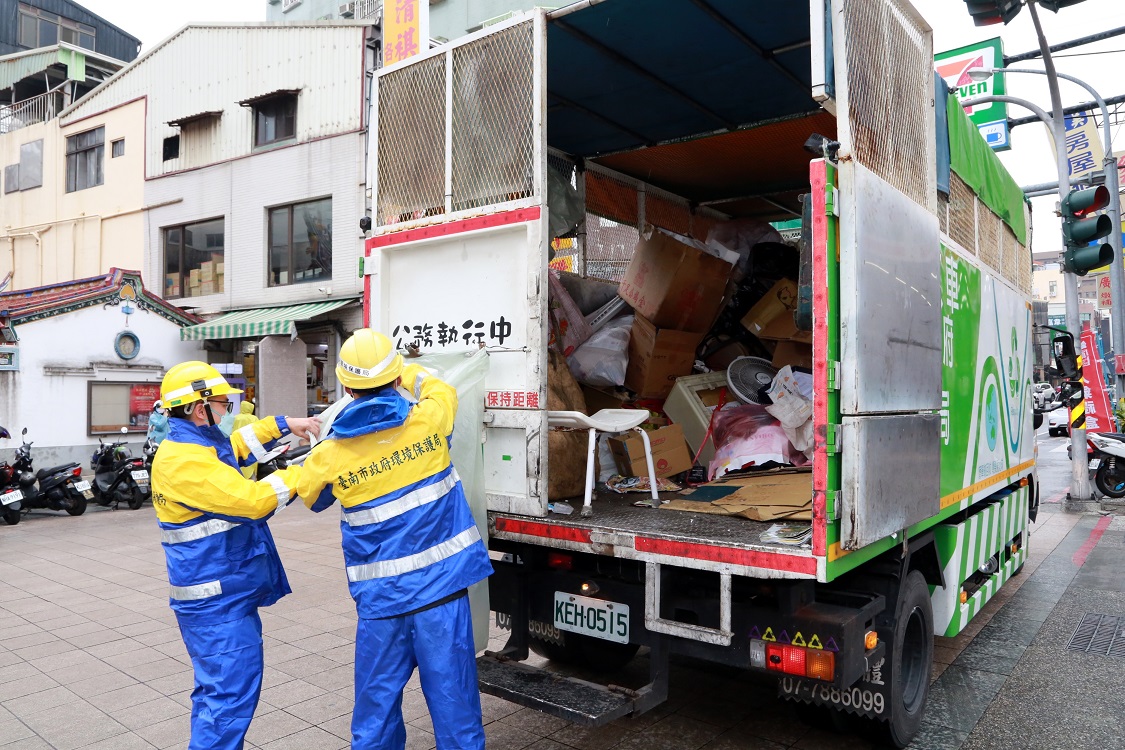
(1084,150)
(954,66)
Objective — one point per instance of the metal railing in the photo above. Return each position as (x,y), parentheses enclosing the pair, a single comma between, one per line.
(30,111)
(367,8)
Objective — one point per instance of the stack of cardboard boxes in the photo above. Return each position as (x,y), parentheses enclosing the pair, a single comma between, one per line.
(207,279)
(677,291)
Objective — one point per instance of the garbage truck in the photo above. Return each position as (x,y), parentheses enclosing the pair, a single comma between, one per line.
(560,139)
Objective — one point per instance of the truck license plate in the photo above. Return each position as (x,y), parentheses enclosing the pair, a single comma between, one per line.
(140,476)
(10,497)
(594,617)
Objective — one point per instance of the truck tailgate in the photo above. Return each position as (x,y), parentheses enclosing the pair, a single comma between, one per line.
(692,540)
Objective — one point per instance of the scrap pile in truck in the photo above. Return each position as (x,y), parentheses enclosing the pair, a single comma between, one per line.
(709,338)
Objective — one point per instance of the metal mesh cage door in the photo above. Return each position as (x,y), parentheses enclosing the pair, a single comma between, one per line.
(884,56)
(411,142)
(493,118)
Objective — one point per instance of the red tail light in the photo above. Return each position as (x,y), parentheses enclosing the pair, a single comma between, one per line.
(560,561)
(77,471)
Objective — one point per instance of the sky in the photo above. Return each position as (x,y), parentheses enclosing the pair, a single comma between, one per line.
(1030,160)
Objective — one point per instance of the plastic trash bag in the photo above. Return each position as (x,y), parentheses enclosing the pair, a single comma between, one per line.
(750,436)
(603,358)
(791,393)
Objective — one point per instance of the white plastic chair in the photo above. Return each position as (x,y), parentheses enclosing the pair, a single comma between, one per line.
(612,421)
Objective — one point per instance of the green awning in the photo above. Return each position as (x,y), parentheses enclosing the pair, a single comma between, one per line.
(266,321)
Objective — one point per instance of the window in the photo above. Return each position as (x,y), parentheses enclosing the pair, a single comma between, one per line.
(41,28)
(84,155)
(112,406)
(11,178)
(193,259)
(275,119)
(1054,288)
(31,165)
(118,147)
(171,147)
(300,243)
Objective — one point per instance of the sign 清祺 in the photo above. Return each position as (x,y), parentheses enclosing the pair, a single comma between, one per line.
(406,29)
(954,66)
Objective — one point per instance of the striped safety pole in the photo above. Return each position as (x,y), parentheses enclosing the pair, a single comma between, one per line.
(1077,397)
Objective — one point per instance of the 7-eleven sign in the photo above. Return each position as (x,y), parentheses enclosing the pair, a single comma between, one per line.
(954,66)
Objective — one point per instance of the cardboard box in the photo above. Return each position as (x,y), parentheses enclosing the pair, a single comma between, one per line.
(674,285)
(602,398)
(207,271)
(771,317)
(657,356)
(207,287)
(220,268)
(669,452)
(171,291)
(193,277)
(792,353)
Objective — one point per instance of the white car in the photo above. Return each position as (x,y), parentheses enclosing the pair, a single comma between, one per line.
(1058,422)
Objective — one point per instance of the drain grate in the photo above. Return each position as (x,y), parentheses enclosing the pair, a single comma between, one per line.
(1099,634)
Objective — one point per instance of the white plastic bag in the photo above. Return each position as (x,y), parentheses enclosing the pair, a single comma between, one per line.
(791,393)
(603,358)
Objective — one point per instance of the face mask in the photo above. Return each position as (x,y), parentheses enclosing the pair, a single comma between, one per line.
(226,424)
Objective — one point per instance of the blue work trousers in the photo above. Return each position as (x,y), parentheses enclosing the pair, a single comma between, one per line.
(227,659)
(439,642)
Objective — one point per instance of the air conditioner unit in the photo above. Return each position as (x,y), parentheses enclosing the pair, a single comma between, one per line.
(347,10)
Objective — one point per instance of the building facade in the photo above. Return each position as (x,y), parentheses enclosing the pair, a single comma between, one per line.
(32,24)
(83,359)
(449,19)
(253,188)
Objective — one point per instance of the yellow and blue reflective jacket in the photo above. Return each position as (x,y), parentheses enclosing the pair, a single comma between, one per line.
(408,535)
(221,557)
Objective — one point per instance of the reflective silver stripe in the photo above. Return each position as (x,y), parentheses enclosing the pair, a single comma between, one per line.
(417,561)
(198,591)
(409,501)
(418,386)
(187,390)
(280,488)
(199,531)
(252,442)
(369,372)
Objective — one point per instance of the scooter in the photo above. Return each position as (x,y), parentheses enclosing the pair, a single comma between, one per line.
(59,487)
(119,477)
(1108,462)
(11,491)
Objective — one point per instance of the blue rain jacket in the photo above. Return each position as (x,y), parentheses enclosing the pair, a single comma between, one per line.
(221,557)
(408,535)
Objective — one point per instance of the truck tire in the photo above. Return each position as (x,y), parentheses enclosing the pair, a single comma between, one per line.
(583,651)
(911,661)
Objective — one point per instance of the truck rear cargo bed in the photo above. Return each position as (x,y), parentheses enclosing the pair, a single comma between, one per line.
(697,540)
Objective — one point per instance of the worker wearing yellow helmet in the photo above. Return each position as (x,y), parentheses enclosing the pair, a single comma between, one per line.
(411,547)
(222,561)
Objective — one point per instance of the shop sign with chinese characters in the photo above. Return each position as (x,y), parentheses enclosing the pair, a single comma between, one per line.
(406,29)
(1105,299)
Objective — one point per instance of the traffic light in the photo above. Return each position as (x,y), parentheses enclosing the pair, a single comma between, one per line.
(1054,5)
(1082,225)
(989,12)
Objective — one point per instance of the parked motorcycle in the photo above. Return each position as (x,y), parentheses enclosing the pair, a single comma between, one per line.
(59,487)
(1108,462)
(119,477)
(149,453)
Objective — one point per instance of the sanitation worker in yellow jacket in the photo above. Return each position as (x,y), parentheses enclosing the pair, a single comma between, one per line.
(410,545)
(222,560)
(245,417)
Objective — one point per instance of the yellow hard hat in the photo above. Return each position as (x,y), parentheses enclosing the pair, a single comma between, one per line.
(189,382)
(368,360)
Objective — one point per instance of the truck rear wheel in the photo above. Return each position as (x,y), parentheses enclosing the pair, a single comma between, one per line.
(583,651)
(911,661)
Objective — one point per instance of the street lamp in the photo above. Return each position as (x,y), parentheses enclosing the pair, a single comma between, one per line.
(1079,466)
(1109,165)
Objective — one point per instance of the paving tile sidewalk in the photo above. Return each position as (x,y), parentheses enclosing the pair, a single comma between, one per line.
(90,656)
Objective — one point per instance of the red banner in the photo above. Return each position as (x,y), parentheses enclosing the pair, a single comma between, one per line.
(1099,414)
(141,398)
